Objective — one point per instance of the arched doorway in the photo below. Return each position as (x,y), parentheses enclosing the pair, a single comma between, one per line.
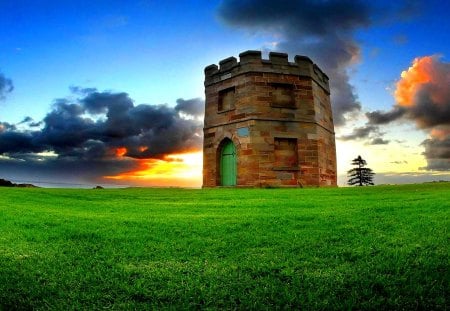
(228,165)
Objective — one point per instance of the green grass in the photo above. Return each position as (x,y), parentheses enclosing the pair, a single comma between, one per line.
(384,247)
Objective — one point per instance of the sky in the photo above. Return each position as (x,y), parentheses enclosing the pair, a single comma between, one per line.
(111,92)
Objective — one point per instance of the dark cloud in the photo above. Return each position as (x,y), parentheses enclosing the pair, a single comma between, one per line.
(360,133)
(90,129)
(428,113)
(12,142)
(381,117)
(6,86)
(30,122)
(81,91)
(26,120)
(193,107)
(35,124)
(379,141)
(310,17)
(322,30)
(437,153)
(370,133)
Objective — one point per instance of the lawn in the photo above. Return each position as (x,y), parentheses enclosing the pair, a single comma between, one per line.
(383,247)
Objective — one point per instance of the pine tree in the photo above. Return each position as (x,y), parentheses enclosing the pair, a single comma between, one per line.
(360,175)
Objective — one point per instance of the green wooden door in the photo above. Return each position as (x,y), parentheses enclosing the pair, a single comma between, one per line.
(228,164)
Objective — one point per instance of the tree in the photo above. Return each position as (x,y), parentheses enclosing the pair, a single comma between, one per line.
(360,175)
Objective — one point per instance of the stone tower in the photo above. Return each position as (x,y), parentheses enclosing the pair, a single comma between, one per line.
(268,123)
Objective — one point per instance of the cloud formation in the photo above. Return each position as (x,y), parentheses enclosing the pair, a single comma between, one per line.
(423,96)
(360,133)
(382,117)
(191,107)
(368,132)
(379,141)
(6,86)
(102,133)
(437,152)
(322,30)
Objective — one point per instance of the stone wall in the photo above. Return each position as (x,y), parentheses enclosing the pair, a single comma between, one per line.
(278,115)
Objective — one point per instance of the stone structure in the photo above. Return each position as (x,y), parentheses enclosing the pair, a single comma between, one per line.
(268,123)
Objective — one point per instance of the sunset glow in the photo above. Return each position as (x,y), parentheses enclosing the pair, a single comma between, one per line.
(182,170)
(120,152)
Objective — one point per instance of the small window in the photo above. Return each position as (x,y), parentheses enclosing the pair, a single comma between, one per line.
(226,99)
(283,95)
(286,156)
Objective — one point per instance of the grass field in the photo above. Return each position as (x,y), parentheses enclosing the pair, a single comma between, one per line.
(383,247)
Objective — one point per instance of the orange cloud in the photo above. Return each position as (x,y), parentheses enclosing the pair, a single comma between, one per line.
(427,74)
(416,75)
(120,152)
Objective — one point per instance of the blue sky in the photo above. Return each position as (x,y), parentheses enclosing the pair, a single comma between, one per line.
(155,52)
(142,49)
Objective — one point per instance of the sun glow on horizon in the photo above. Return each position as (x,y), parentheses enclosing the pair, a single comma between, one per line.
(182,170)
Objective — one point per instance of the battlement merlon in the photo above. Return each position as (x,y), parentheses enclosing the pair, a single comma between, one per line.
(252,61)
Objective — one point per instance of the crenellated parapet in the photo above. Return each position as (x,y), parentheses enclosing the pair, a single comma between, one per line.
(252,61)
